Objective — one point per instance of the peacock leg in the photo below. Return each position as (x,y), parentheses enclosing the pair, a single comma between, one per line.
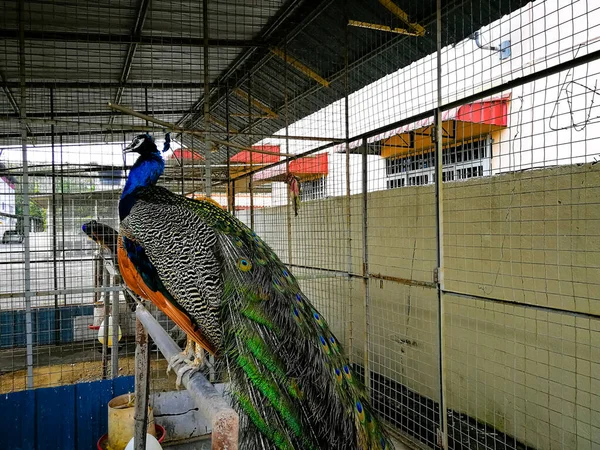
(183,357)
(198,355)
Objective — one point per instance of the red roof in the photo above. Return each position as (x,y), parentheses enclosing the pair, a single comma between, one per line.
(303,168)
(243,157)
(186,154)
(310,165)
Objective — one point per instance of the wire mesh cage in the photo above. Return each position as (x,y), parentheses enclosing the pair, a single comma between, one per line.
(427,170)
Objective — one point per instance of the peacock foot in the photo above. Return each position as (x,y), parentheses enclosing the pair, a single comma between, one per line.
(192,350)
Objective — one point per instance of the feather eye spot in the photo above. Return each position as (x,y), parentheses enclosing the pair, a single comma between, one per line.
(324,344)
(237,241)
(333,343)
(360,410)
(244,265)
(338,374)
(347,373)
(296,315)
(318,318)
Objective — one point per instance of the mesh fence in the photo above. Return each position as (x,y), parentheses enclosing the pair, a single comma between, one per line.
(427,172)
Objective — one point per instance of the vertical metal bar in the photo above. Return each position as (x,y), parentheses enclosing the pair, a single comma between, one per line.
(348,207)
(97,276)
(229,189)
(142,386)
(105,282)
(365,229)
(439,204)
(62,220)
(54,228)
(207,142)
(146,103)
(26,215)
(289,197)
(250,183)
(114,354)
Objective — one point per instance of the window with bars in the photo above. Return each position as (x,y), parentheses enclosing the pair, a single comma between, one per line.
(460,162)
(313,189)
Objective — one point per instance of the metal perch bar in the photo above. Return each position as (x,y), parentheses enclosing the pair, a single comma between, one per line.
(211,404)
(178,129)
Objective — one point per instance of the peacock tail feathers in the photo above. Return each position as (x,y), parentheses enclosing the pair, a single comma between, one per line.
(290,378)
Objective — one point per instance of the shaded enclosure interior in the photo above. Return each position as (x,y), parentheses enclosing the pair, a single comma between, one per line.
(446,155)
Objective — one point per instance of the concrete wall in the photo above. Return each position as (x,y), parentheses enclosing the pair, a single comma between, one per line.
(530,241)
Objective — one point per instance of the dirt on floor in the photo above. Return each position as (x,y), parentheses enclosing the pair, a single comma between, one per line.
(77,372)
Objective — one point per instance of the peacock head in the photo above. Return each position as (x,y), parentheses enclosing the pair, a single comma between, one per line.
(144,145)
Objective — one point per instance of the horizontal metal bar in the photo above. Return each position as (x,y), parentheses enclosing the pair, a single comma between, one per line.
(59,292)
(210,403)
(106,38)
(522,304)
(105,85)
(404,281)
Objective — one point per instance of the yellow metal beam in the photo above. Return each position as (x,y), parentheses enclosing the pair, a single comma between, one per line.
(301,67)
(417,29)
(257,103)
(375,26)
(222,124)
(254,116)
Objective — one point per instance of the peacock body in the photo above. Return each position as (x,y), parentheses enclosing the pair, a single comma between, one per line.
(221,283)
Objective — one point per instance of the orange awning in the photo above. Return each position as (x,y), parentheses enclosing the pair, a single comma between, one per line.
(459,124)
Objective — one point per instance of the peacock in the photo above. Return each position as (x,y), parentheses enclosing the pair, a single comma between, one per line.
(106,237)
(212,275)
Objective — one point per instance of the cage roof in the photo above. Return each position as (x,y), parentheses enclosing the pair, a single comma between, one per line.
(149,57)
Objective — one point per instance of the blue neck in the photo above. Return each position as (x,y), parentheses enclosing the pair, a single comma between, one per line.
(145,172)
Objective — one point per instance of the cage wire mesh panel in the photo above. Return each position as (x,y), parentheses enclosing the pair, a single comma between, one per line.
(464,284)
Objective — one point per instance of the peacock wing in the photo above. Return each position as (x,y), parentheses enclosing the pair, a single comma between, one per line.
(172,251)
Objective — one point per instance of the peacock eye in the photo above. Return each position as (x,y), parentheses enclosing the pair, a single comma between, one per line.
(244,265)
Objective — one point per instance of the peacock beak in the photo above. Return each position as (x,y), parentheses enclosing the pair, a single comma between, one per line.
(130,148)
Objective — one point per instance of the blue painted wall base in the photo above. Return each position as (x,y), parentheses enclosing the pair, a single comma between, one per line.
(62,418)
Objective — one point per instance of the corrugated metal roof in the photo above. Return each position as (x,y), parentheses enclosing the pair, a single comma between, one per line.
(79,48)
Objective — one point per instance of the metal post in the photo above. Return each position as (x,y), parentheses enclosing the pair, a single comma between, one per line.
(54,227)
(62,220)
(142,385)
(114,355)
(229,187)
(348,206)
(439,208)
(105,283)
(207,142)
(365,189)
(250,183)
(26,215)
(287,150)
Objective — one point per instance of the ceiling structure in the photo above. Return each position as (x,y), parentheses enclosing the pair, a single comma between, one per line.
(149,56)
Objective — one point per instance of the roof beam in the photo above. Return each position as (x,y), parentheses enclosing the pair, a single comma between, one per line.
(102,113)
(135,36)
(173,41)
(105,84)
